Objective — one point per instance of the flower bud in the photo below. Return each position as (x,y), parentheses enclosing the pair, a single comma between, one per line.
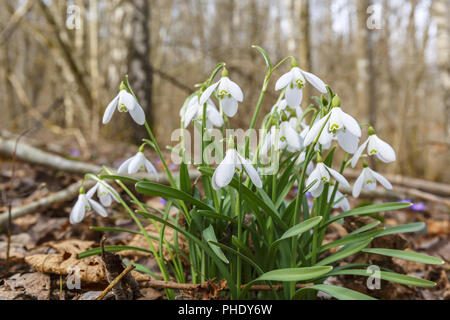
(371,131)
(336,102)
(224,73)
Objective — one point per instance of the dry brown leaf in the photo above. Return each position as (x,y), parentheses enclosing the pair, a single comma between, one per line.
(140,242)
(19,246)
(64,262)
(33,285)
(438,227)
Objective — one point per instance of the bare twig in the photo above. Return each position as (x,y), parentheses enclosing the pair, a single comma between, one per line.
(158,284)
(113,283)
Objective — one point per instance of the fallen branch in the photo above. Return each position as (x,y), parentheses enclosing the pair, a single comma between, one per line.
(113,283)
(36,156)
(419,184)
(159,284)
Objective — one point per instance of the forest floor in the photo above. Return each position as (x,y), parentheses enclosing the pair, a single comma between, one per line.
(44,244)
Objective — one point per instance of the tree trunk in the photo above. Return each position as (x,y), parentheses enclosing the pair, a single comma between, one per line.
(364,60)
(140,72)
(304,52)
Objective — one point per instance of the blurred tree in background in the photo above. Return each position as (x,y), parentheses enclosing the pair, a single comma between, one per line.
(62,61)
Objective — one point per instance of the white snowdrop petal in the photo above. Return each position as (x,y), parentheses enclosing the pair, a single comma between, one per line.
(126,99)
(315,81)
(284,81)
(150,168)
(105,200)
(347,141)
(229,106)
(190,113)
(110,110)
(358,185)
(123,168)
(351,124)
(235,91)
(98,208)
(78,211)
(91,192)
(318,191)
(208,92)
(225,171)
(292,137)
(251,172)
(384,150)
(138,114)
(315,175)
(358,153)
(214,116)
(314,131)
(136,163)
(383,181)
(294,96)
(339,177)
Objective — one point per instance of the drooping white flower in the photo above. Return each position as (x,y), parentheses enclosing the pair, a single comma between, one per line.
(228,93)
(342,201)
(290,111)
(194,110)
(233,162)
(336,125)
(322,174)
(294,81)
(375,146)
(105,193)
(83,205)
(301,159)
(368,181)
(125,102)
(136,163)
(283,138)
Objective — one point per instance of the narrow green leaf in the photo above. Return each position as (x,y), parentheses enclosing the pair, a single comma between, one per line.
(265,55)
(390,206)
(339,293)
(345,252)
(405,228)
(294,274)
(351,238)
(117,177)
(365,228)
(96,251)
(159,190)
(388,276)
(301,227)
(210,236)
(405,255)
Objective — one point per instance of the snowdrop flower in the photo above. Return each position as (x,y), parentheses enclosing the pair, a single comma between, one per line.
(322,174)
(368,181)
(284,138)
(337,125)
(294,81)
(105,193)
(194,110)
(233,162)
(341,204)
(301,159)
(228,93)
(136,163)
(125,102)
(85,204)
(375,146)
(283,106)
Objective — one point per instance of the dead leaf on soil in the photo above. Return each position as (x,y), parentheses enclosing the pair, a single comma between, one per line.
(31,285)
(140,242)
(65,262)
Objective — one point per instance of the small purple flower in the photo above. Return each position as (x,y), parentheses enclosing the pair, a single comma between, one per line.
(405,201)
(158,160)
(173,166)
(75,152)
(162,201)
(296,190)
(309,195)
(419,207)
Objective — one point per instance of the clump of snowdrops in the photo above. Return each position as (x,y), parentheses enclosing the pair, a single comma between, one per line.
(240,222)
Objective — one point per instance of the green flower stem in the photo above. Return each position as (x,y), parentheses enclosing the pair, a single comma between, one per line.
(240,218)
